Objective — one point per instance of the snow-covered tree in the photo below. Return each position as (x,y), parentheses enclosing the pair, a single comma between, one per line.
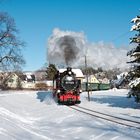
(135,60)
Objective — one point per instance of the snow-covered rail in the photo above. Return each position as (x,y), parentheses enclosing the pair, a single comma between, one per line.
(110,118)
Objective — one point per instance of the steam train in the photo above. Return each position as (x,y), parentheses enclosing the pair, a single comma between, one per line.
(67,87)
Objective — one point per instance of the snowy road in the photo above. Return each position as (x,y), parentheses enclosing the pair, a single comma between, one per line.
(32,115)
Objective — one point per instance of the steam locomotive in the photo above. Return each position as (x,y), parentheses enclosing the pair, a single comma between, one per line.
(67,87)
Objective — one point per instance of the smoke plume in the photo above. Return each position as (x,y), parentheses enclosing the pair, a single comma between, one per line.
(67,48)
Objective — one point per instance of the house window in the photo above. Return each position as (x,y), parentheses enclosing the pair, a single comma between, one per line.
(11,80)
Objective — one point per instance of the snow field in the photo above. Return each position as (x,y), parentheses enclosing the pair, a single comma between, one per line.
(34,115)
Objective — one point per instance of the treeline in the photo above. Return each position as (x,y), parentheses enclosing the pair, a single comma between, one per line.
(51,70)
(110,74)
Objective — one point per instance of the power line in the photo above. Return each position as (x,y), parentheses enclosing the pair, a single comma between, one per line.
(120,36)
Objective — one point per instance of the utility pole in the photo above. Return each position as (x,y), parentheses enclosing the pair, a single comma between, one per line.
(87,89)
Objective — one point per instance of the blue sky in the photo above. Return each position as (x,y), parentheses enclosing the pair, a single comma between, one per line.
(100,20)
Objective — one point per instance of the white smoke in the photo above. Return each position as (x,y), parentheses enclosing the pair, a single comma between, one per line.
(107,56)
(100,54)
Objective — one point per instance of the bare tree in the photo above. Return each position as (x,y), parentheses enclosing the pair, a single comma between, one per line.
(10,44)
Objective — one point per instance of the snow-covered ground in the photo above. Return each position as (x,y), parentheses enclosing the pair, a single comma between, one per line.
(34,115)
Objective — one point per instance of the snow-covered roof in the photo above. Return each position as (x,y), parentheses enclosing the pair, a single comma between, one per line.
(78,72)
(122,75)
(29,75)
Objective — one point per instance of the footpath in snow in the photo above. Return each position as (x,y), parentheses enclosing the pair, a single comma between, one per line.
(34,115)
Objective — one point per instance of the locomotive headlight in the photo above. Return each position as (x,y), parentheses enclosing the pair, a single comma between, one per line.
(58,91)
(69,72)
(80,91)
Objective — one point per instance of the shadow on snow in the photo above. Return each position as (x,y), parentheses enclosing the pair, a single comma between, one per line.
(43,95)
(118,101)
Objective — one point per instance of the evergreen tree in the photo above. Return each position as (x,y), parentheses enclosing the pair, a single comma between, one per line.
(51,71)
(135,60)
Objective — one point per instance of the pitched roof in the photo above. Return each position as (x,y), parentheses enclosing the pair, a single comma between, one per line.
(78,72)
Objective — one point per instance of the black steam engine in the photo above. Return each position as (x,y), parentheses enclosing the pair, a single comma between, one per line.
(67,87)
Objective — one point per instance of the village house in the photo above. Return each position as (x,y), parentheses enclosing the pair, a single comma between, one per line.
(19,81)
(91,79)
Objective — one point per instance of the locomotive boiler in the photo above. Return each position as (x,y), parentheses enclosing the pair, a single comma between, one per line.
(67,87)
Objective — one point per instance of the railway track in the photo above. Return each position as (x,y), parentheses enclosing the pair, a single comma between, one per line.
(107,117)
